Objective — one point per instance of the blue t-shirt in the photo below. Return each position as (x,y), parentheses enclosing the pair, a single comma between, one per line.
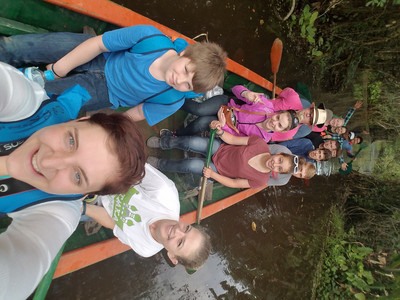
(299,147)
(347,146)
(128,77)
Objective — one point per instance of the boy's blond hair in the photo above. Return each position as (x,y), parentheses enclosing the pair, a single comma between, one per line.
(201,255)
(209,60)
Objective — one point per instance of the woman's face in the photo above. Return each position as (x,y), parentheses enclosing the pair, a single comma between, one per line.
(278,122)
(279,163)
(68,158)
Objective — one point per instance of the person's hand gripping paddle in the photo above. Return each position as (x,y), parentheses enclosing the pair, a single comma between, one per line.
(204,179)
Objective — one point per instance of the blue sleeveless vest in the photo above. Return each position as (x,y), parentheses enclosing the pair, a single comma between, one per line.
(14,194)
(157,43)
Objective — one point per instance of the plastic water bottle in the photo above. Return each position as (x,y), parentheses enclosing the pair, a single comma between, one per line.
(37,75)
(20,97)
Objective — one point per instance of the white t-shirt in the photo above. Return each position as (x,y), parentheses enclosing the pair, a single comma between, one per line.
(31,242)
(33,239)
(19,97)
(155,198)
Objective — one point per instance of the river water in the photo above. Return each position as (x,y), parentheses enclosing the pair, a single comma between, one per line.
(279,259)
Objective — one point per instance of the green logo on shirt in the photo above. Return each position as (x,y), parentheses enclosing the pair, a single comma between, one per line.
(123,213)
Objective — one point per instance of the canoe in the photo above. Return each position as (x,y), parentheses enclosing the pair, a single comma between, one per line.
(71,15)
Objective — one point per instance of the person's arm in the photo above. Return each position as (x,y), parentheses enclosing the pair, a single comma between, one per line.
(100,215)
(226,136)
(288,99)
(226,181)
(247,96)
(232,139)
(154,112)
(30,243)
(82,54)
(136,113)
(351,111)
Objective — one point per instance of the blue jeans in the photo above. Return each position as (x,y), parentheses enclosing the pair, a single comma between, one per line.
(187,143)
(38,49)
(207,112)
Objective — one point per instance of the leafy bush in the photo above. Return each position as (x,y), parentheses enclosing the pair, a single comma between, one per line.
(344,272)
(351,269)
(387,166)
(308,30)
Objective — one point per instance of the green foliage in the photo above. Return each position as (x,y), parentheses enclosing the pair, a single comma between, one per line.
(347,269)
(375,91)
(387,165)
(358,92)
(344,271)
(378,3)
(373,212)
(356,36)
(383,108)
(306,24)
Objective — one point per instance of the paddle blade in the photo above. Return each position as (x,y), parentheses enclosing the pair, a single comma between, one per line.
(276,55)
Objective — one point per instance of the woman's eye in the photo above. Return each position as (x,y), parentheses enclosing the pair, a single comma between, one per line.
(187,228)
(71,142)
(180,243)
(77,178)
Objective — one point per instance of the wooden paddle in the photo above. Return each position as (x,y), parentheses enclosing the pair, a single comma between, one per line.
(204,179)
(276,55)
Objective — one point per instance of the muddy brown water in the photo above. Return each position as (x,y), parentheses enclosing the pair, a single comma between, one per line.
(279,259)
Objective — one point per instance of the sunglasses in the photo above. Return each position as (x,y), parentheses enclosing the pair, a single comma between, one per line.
(296,164)
(295,122)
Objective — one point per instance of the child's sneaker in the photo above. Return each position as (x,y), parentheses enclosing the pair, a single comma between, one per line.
(153,142)
(167,132)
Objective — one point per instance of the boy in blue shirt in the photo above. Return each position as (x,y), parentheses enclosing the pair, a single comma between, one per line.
(116,74)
